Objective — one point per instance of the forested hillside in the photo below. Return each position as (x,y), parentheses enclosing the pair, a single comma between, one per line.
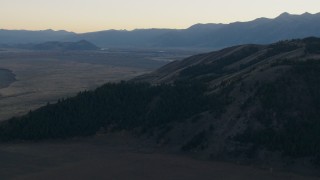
(249,101)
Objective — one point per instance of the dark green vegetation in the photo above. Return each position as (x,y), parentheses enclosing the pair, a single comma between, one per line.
(313,45)
(289,112)
(6,78)
(240,102)
(116,106)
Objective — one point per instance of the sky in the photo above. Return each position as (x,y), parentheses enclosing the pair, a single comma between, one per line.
(94,15)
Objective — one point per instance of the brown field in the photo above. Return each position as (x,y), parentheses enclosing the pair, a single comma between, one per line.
(43,77)
(117,158)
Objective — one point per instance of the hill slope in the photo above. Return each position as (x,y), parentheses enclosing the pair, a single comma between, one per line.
(274,92)
(256,102)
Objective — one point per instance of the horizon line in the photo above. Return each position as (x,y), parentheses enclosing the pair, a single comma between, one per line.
(160,28)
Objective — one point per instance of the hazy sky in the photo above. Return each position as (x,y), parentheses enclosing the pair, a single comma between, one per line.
(93,15)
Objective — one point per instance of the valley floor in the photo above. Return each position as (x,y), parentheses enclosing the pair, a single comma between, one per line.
(103,157)
(43,77)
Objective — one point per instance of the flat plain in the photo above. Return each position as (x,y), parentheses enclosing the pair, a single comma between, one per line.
(118,157)
(46,76)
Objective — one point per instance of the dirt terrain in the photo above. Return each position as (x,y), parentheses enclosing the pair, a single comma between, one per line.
(117,157)
(43,76)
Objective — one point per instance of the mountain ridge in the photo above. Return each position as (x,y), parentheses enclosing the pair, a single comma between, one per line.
(81,45)
(211,35)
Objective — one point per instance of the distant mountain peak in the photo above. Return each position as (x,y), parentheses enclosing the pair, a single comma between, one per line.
(206,25)
(287,15)
(284,15)
(49,30)
(306,14)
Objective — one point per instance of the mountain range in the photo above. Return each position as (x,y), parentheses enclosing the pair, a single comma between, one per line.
(81,45)
(258,31)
